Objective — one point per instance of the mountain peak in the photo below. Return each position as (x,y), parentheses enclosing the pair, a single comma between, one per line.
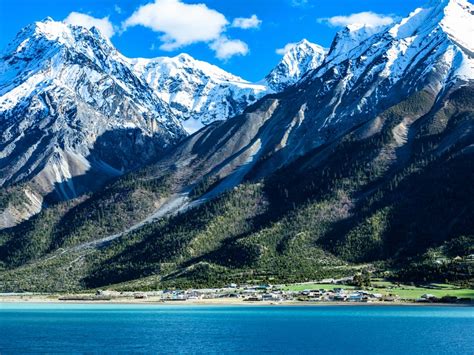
(47,19)
(458,22)
(62,33)
(304,44)
(350,37)
(304,41)
(299,58)
(69,84)
(44,48)
(51,28)
(184,57)
(454,17)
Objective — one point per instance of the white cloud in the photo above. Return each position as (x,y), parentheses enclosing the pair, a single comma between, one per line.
(299,3)
(102,24)
(181,24)
(370,19)
(117,9)
(246,23)
(226,48)
(286,48)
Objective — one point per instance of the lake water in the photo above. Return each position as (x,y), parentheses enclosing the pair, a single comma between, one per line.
(39,328)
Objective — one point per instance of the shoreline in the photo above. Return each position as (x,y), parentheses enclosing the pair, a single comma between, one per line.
(54,300)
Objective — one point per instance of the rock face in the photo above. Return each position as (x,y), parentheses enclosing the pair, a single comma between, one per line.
(303,57)
(73,113)
(349,38)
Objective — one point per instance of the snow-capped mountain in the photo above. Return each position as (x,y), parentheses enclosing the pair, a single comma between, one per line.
(301,58)
(428,53)
(74,112)
(197,92)
(200,93)
(432,46)
(381,133)
(71,107)
(67,86)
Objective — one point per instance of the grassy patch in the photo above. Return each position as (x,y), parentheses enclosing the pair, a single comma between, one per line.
(315,286)
(414,292)
(407,292)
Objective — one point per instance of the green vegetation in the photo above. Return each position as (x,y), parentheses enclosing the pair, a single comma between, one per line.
(110,211)
(214,244)
(413,293)
(204,186)
(12,196)
(314,286)
(121,204)
(449,261)
(31,239)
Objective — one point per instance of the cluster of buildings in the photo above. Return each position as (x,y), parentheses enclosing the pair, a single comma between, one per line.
(262,293)
(342,295)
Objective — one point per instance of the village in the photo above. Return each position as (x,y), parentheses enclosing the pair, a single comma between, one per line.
(358,289)
(268,294)
(251,294)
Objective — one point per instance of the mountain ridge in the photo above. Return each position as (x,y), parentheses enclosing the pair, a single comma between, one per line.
(198,92)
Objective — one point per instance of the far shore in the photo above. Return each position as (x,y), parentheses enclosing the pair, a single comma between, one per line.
(54,299)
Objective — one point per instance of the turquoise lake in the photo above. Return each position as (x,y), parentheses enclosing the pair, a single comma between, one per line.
(94,328)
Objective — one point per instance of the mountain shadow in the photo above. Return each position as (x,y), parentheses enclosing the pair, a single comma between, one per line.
(114,153)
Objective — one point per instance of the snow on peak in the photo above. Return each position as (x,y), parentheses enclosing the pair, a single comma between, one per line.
(305,46)
(197,92)
(174,66)
(441,34)
(350,37)
(184,57)
(454,17)
(46,36)
(42,49)
(458,22)
(300,58)
(67,83)
(451,23)
(55,31)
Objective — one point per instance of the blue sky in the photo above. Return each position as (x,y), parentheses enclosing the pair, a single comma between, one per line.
(246,47)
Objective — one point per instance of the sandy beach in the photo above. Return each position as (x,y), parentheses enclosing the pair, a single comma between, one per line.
(55,299)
